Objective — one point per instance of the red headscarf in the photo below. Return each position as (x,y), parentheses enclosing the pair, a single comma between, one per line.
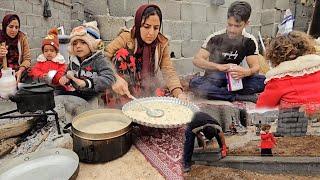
(12,43)
(145,50)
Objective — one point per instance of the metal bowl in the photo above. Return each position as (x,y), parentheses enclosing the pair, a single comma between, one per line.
(150,121)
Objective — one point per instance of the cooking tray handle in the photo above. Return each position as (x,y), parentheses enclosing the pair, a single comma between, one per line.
(66,129)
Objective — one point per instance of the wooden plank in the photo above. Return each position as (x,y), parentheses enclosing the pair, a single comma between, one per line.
(15,129)
(7,145)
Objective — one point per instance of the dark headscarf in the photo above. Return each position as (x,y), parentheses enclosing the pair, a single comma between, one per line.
(12,43)
(144,50)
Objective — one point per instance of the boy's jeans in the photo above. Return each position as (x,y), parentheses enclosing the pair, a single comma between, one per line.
(214,86)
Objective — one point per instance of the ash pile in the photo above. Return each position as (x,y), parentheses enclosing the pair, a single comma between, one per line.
(23,135)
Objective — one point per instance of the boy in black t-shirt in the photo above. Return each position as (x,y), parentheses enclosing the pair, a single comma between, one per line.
(209,127)
(222,52)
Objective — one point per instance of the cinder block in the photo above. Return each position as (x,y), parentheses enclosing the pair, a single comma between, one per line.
(129,22)
(75,23)
(175,47)
(217,14)
(35,42)
(282,4)
(268,16)
(124,7)
(177,30)
(97,6)
(278,16)
(185,66)
(48,22)
(220,26)
(28,30)
(269,4)
(55,5)
(190,47)
(304,129)
(170,9)
(206,155)
(109,26)
(37,9)
(193,12)
(255,18)
(39,32)
(6,4)
(22,6)
(55,13)
(67,1)
(33,20)
(290,120)
(255,4)
(268,30)
(201,30)
(76,7)
(208,2)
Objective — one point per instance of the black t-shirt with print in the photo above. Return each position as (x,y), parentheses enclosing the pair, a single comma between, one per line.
(224,50)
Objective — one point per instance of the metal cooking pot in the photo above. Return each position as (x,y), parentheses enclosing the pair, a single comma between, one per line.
(57,163)
(34,97)
(101,135)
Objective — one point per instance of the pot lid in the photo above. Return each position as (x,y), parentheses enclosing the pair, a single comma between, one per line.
(57,163)
(100,123)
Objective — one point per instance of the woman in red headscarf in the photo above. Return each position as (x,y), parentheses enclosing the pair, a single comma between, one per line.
(142,58)
(17,48)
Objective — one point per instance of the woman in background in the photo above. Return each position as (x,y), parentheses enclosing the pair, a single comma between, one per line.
(16,47)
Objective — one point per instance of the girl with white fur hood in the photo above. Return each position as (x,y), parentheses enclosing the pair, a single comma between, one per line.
(295,79)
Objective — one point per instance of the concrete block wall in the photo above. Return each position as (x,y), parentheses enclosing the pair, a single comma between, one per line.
(33,23)
(185,22)
(302,13)
(291,122)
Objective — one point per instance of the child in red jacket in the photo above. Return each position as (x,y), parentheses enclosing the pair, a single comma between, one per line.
(267,140)
(51,59)
(294,79)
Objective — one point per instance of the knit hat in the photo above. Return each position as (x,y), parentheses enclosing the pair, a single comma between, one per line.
(51,39)
(87,32)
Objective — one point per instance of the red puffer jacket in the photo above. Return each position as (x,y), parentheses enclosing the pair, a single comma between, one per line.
(292,83)
(267,140)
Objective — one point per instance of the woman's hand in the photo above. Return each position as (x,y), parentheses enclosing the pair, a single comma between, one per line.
(19,73)
(3,51)
(121,86)
(183,97)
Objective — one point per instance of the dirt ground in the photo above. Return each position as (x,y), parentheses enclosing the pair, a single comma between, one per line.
(200,172)
(286,146)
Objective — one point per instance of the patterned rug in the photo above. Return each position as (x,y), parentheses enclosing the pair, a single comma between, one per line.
(163,148)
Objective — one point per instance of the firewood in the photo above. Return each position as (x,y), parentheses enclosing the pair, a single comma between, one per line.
(15,129)
(7,145)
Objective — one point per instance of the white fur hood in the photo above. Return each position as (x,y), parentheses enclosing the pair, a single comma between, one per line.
(301,66)
(58,59)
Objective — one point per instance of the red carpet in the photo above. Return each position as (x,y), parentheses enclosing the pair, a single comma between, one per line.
(163,148)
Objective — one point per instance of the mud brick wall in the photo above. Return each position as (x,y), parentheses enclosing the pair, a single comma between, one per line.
(291,122)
